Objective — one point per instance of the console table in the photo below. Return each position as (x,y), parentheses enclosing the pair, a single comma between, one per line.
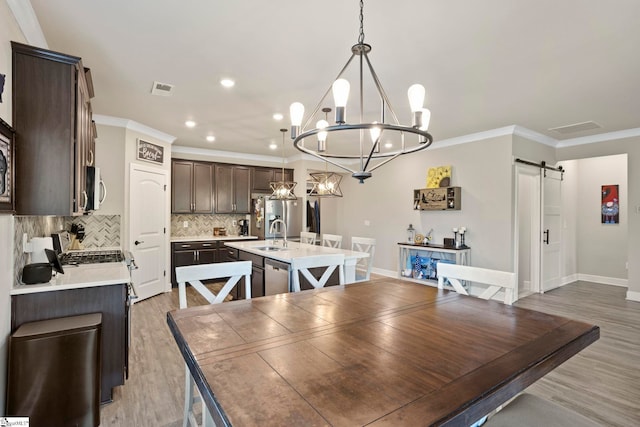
(434,253)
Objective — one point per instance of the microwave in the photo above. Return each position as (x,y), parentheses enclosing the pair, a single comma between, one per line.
(96,190)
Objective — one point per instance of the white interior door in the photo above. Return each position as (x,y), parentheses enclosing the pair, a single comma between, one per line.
(551,257)
(528,222)
(147,236)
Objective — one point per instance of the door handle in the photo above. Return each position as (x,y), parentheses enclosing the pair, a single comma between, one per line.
(546,236)
(137,242)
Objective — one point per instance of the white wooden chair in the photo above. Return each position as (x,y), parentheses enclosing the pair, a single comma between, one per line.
(308,237)
(332,240)
(303,264)
(194,275)
(364,265)
(497,280)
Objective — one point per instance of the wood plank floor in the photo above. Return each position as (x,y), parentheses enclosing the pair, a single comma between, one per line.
(602,382)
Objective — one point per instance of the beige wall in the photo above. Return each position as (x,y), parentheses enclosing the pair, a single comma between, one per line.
(481,168)
(630,146)
(9,31)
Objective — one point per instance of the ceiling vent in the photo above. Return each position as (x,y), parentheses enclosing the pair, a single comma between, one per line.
(161,89)
(576,127)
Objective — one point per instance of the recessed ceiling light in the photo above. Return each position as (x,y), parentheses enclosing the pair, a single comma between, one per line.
(278,116)
(211,138)
(273,145)
(227,82)
(190,123)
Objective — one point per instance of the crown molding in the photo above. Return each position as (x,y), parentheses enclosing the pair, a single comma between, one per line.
(609,136)
(134,126)
(225,154)
(28,22)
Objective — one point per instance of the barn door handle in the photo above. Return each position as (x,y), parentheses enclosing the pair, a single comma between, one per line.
(546,236)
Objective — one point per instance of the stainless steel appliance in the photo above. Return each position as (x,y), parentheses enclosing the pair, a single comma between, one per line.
(264,212)
(276,277)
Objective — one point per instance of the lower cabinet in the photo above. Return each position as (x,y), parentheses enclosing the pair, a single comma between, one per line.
(199,252)
(257,275)
(110,300)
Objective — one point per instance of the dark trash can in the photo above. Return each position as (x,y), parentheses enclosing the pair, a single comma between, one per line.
(54,371)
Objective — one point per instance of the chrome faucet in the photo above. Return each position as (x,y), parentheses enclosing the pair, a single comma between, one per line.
(284,234)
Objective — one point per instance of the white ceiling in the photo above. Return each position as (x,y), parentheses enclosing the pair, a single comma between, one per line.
(485,64)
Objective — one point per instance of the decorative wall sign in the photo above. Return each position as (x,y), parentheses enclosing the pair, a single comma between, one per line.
(150,152)
(7,168)
(610,205)
(439,177)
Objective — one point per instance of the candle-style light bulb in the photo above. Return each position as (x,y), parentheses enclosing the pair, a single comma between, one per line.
(416,101)
(340,89)
(296,112)
(375,132)
(322,135)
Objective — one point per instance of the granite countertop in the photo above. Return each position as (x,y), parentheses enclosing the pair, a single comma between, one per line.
(81,276)
(210,238)
(293,250)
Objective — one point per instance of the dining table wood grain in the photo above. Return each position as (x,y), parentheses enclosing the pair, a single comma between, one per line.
(386,352)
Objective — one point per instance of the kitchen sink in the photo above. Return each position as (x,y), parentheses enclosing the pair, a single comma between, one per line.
(270,248)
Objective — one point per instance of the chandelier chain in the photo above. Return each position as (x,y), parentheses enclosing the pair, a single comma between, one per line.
(361,35)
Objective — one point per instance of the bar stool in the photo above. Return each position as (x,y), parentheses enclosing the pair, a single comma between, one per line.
(308,237)
(332,240)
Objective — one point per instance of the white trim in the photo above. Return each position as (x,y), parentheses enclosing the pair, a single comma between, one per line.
(604,280)
(179,149)
(28,22)
(473,137)
(569,279)
(386,273)
(134,126)
(633,296)
(609,136)
(535,136)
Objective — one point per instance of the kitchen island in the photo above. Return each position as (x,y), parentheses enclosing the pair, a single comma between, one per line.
(274,249)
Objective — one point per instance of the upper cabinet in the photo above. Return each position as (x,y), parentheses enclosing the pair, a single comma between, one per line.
(52,119)
(233,189)
(191,187)
(262,177)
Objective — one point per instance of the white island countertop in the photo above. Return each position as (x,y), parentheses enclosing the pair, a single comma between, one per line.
(210,238)
(293,250)
(81,276)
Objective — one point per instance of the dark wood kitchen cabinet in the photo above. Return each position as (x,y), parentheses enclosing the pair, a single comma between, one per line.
(110,300)
(192,253)
(52,119)
(191,187)
(262,178)
(233,189)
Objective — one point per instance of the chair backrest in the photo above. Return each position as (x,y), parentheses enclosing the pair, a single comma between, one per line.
(497,280)
(364,244)
(303,264)
(308,237)
(194,274)
(332,240)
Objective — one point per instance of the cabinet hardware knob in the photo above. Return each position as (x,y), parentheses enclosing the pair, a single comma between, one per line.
(137,242)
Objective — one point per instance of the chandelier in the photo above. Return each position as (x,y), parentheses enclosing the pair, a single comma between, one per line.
(355,148)
(282,190)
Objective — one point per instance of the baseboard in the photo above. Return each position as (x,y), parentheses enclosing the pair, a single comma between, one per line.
(386,273)
(603,280)
(633,296)
(569,279)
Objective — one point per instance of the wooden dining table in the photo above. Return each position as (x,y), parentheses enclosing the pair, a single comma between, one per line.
(386,352)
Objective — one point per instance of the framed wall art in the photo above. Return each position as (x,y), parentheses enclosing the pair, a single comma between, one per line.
(150,152)
(610,205)
(7,168)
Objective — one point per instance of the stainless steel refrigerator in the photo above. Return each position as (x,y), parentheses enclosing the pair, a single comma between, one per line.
(264,212)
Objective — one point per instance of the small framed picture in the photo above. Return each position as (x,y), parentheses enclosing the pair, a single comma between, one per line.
(7,168)
(150,152)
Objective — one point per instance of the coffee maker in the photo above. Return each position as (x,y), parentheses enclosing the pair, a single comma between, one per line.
(244,227)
